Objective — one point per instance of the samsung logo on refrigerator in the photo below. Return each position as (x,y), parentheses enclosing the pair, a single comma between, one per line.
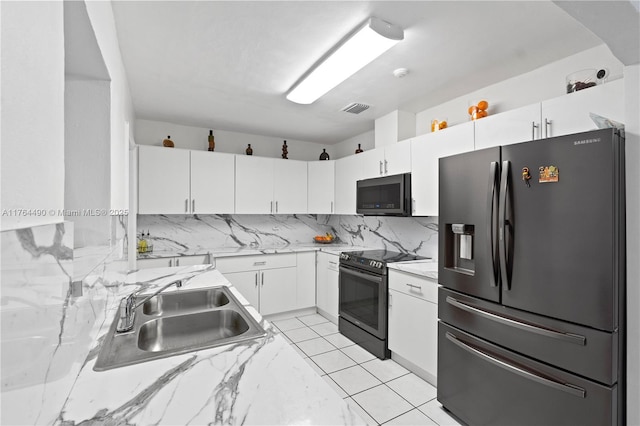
(586,141)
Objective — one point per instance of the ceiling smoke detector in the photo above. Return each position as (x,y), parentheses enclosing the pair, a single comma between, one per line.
(355,108)
(400,72)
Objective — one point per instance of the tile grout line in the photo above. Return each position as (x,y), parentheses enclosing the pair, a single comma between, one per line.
(413,407)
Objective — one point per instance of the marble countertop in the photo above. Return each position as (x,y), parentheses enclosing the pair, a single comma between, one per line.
(424,268)
(259,381)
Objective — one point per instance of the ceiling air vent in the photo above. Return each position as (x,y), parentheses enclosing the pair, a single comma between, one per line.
(355,108)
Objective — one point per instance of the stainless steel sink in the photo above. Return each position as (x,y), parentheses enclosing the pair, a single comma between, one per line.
(165,334)
(185,302)
(176,323)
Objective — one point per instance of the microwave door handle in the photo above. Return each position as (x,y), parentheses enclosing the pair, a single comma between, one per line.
(491,231)
(370,277)
(503,225)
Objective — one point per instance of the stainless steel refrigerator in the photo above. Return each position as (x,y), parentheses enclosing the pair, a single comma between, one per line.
(532,266)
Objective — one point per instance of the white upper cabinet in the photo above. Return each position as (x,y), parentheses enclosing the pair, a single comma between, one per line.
(397,158)
(290,186)
(269,186)
(426,151)
(254,185)
(348,171)
(517,125)
(570,113)
(563,115)
(179,181)
(163,180)
(388,160)
(320,186)
(212,182)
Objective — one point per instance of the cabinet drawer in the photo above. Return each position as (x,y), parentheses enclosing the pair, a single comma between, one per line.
(485,384)
(413,285)
(163,262)
(333,262)
(255,262)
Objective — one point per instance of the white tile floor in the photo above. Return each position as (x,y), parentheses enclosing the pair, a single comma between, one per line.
(382,392)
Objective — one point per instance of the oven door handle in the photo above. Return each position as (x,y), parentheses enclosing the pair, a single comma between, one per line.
(370,277)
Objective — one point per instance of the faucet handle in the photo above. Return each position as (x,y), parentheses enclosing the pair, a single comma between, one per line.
(127,314)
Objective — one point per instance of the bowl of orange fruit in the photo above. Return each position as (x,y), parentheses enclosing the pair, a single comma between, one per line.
(324,239)
(479,110)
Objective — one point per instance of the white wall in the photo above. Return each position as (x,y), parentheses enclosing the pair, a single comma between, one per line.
(101,17)
(349,146)
(149,132)
(543,83)
(632,142)
(87,158)
(32,107)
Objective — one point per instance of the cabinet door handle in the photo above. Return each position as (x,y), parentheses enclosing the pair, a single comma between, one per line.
(193,206)
(186,205)
(385,167)
(170,262)
(534,126)
(419,287)
(547,128)
(271,208)
(256,279)
(177,262)
(264,262)
(276,207)
(262,279)
(381,168)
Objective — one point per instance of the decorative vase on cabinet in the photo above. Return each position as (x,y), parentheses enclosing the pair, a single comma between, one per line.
(249,150)
(168,142)
(212,143)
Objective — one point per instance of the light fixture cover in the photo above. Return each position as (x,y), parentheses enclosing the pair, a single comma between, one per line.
(367,43)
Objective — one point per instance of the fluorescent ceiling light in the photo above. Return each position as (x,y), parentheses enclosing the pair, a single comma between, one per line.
(367,43)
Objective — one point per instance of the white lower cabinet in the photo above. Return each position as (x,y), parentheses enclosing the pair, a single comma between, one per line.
(306,279)
(278,290)
(413,321)
(270,282)
(327,284)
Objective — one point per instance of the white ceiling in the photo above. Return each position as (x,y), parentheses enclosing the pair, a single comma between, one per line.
(228,64)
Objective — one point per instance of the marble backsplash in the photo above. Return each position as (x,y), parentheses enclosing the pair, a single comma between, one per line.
(46,321)
(199,233)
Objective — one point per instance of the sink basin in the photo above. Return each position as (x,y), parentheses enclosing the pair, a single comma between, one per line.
(177,323)
(182,331)
(183,302)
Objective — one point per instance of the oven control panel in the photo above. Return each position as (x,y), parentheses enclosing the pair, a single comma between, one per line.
(357,260)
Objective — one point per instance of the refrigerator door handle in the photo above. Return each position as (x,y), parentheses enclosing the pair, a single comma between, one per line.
(564,387)
(560,335)
(503,224)
(491,232)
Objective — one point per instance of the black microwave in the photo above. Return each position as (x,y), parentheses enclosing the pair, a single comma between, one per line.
(384,196)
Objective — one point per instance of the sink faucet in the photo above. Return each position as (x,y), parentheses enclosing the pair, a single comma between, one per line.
(128,307)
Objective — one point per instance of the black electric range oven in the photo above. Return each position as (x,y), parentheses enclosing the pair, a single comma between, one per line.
(363,296)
